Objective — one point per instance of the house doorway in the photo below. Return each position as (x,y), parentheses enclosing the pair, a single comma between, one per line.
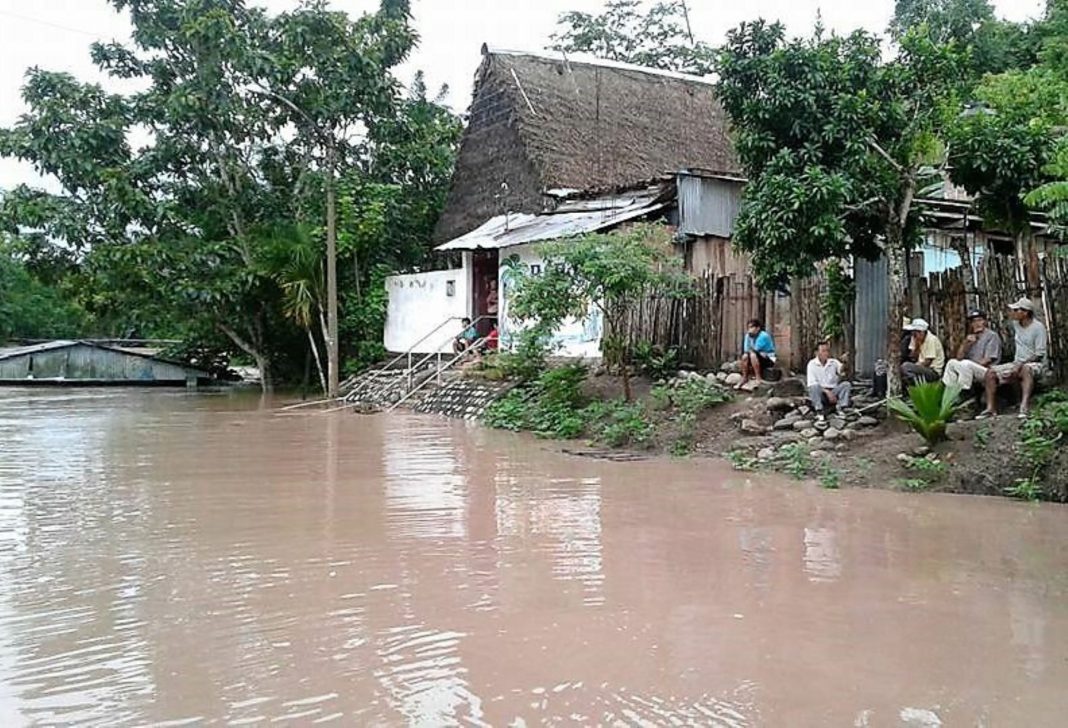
(484,271)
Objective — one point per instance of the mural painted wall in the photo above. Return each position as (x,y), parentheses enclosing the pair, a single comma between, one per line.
(578,339)
(418,302)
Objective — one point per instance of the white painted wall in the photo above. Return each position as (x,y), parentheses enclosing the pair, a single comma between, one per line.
(420,301)
(577,339)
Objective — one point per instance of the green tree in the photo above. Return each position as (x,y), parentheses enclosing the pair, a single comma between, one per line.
(836,144)
(659,38)
(607,272)
(31,308)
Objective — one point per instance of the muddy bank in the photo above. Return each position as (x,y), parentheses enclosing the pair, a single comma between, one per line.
(773,430)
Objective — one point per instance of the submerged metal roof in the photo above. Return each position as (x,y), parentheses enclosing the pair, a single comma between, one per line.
(573,217)
(141,352)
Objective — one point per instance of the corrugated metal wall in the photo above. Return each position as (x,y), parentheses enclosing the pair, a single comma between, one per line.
(89,362)
(708,206)
(871,311)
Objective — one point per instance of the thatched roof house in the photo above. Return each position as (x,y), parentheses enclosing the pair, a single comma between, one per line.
(542,124)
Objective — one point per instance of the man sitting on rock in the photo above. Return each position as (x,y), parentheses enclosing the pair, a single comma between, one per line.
(980,350)
(927,358)
(1031,345)
(826,385)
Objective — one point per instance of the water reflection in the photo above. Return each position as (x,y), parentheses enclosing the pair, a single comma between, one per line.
(171,559)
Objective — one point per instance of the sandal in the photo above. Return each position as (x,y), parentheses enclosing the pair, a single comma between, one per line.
(986,415)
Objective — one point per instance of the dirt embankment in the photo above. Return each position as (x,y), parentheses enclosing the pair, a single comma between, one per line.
(775,429)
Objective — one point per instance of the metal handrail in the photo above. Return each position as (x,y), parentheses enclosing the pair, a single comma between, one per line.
(374,378)
(478,344)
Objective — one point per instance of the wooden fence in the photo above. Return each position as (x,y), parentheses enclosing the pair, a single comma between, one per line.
(707,327)
(997,281)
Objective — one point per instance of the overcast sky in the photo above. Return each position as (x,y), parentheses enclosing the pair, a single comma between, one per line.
(55,34)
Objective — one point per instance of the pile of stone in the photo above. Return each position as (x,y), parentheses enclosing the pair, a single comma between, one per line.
(782,421)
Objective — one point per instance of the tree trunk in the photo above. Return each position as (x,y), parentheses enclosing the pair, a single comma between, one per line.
(333,359)
(897,271)
(263,361)
(318,360)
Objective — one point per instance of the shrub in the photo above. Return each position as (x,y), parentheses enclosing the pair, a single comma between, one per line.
(931,408)
(549,407)
(1040,437)
(654,362)
(617,423)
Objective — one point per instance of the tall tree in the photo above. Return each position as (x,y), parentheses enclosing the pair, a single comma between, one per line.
(660,37)
(836,143)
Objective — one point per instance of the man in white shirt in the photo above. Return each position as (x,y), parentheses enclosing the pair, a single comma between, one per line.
(825,383)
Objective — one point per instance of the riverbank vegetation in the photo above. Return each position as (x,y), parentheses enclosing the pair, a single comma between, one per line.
(198,206)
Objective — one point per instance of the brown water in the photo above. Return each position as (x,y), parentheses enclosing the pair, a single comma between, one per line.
(169,558)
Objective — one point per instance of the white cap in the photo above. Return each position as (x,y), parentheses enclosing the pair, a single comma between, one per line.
(1024,304)
(918,325)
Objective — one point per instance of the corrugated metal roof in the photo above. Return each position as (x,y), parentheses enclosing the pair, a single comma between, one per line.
(14,351)
(143,353)
(571,218)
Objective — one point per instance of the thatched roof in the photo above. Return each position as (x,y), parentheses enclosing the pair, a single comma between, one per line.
(542,123)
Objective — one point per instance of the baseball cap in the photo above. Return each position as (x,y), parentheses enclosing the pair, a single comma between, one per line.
(976,313)
(918,325)
(1024,304)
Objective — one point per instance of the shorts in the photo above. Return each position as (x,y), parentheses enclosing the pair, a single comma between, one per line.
(1004,372)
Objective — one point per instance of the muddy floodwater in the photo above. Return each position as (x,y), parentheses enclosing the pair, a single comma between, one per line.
(170,558)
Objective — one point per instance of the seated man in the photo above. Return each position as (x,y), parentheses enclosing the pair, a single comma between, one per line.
(1031,344)
(980,350)
(466,339)
(825,383)
(758,353)
(927,358)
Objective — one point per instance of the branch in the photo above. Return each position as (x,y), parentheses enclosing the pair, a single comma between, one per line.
(237,339)
(886,155)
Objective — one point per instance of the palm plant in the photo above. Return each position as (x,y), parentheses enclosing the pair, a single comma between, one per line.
(931,408)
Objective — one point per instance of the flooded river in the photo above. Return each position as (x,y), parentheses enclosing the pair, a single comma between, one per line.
(168,558)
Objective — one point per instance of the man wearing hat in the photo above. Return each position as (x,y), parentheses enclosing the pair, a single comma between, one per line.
(980,350)
(927,358)
(1031,344)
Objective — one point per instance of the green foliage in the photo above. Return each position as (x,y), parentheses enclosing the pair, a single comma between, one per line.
(982,437)
(688,399)
(930,468)
(1040,439)
(654,361)
(742,460)
(915,485)
(658,38)
(834,141)
(830,478)
(794,459)
(617,423)
(31,309)
(549,407)
(837,301)
(526,360)
(608,273)
(930,409)
(251,118)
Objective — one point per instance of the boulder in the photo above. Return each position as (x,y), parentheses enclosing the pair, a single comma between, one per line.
(810,433)
(821,444)
(868,421)
(800,425)
(733,380)
(712,378)
(752,427)
(731,367)
(787,438)
(832,433)
(849,435)
(804,410)
(766,454)
(722,377)
(837,423)
(904,458)
(817,441)
(780,404)
(841,447)
(787,423)
(788,387)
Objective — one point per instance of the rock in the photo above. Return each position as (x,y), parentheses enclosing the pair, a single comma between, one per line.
(921,451)
(849,435)
(752,427)
(821,453)
(733,380)
(712,378)
(832,433)
(816,441)
(956,433)
(789,387)
(787,438)
(867,421)
(904,458)
(837,423)
(841,447)
(721,377)
(810,433)
(731,367)
(766,454)
(784,424)
(802,425)
(804,410)
(780,404)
